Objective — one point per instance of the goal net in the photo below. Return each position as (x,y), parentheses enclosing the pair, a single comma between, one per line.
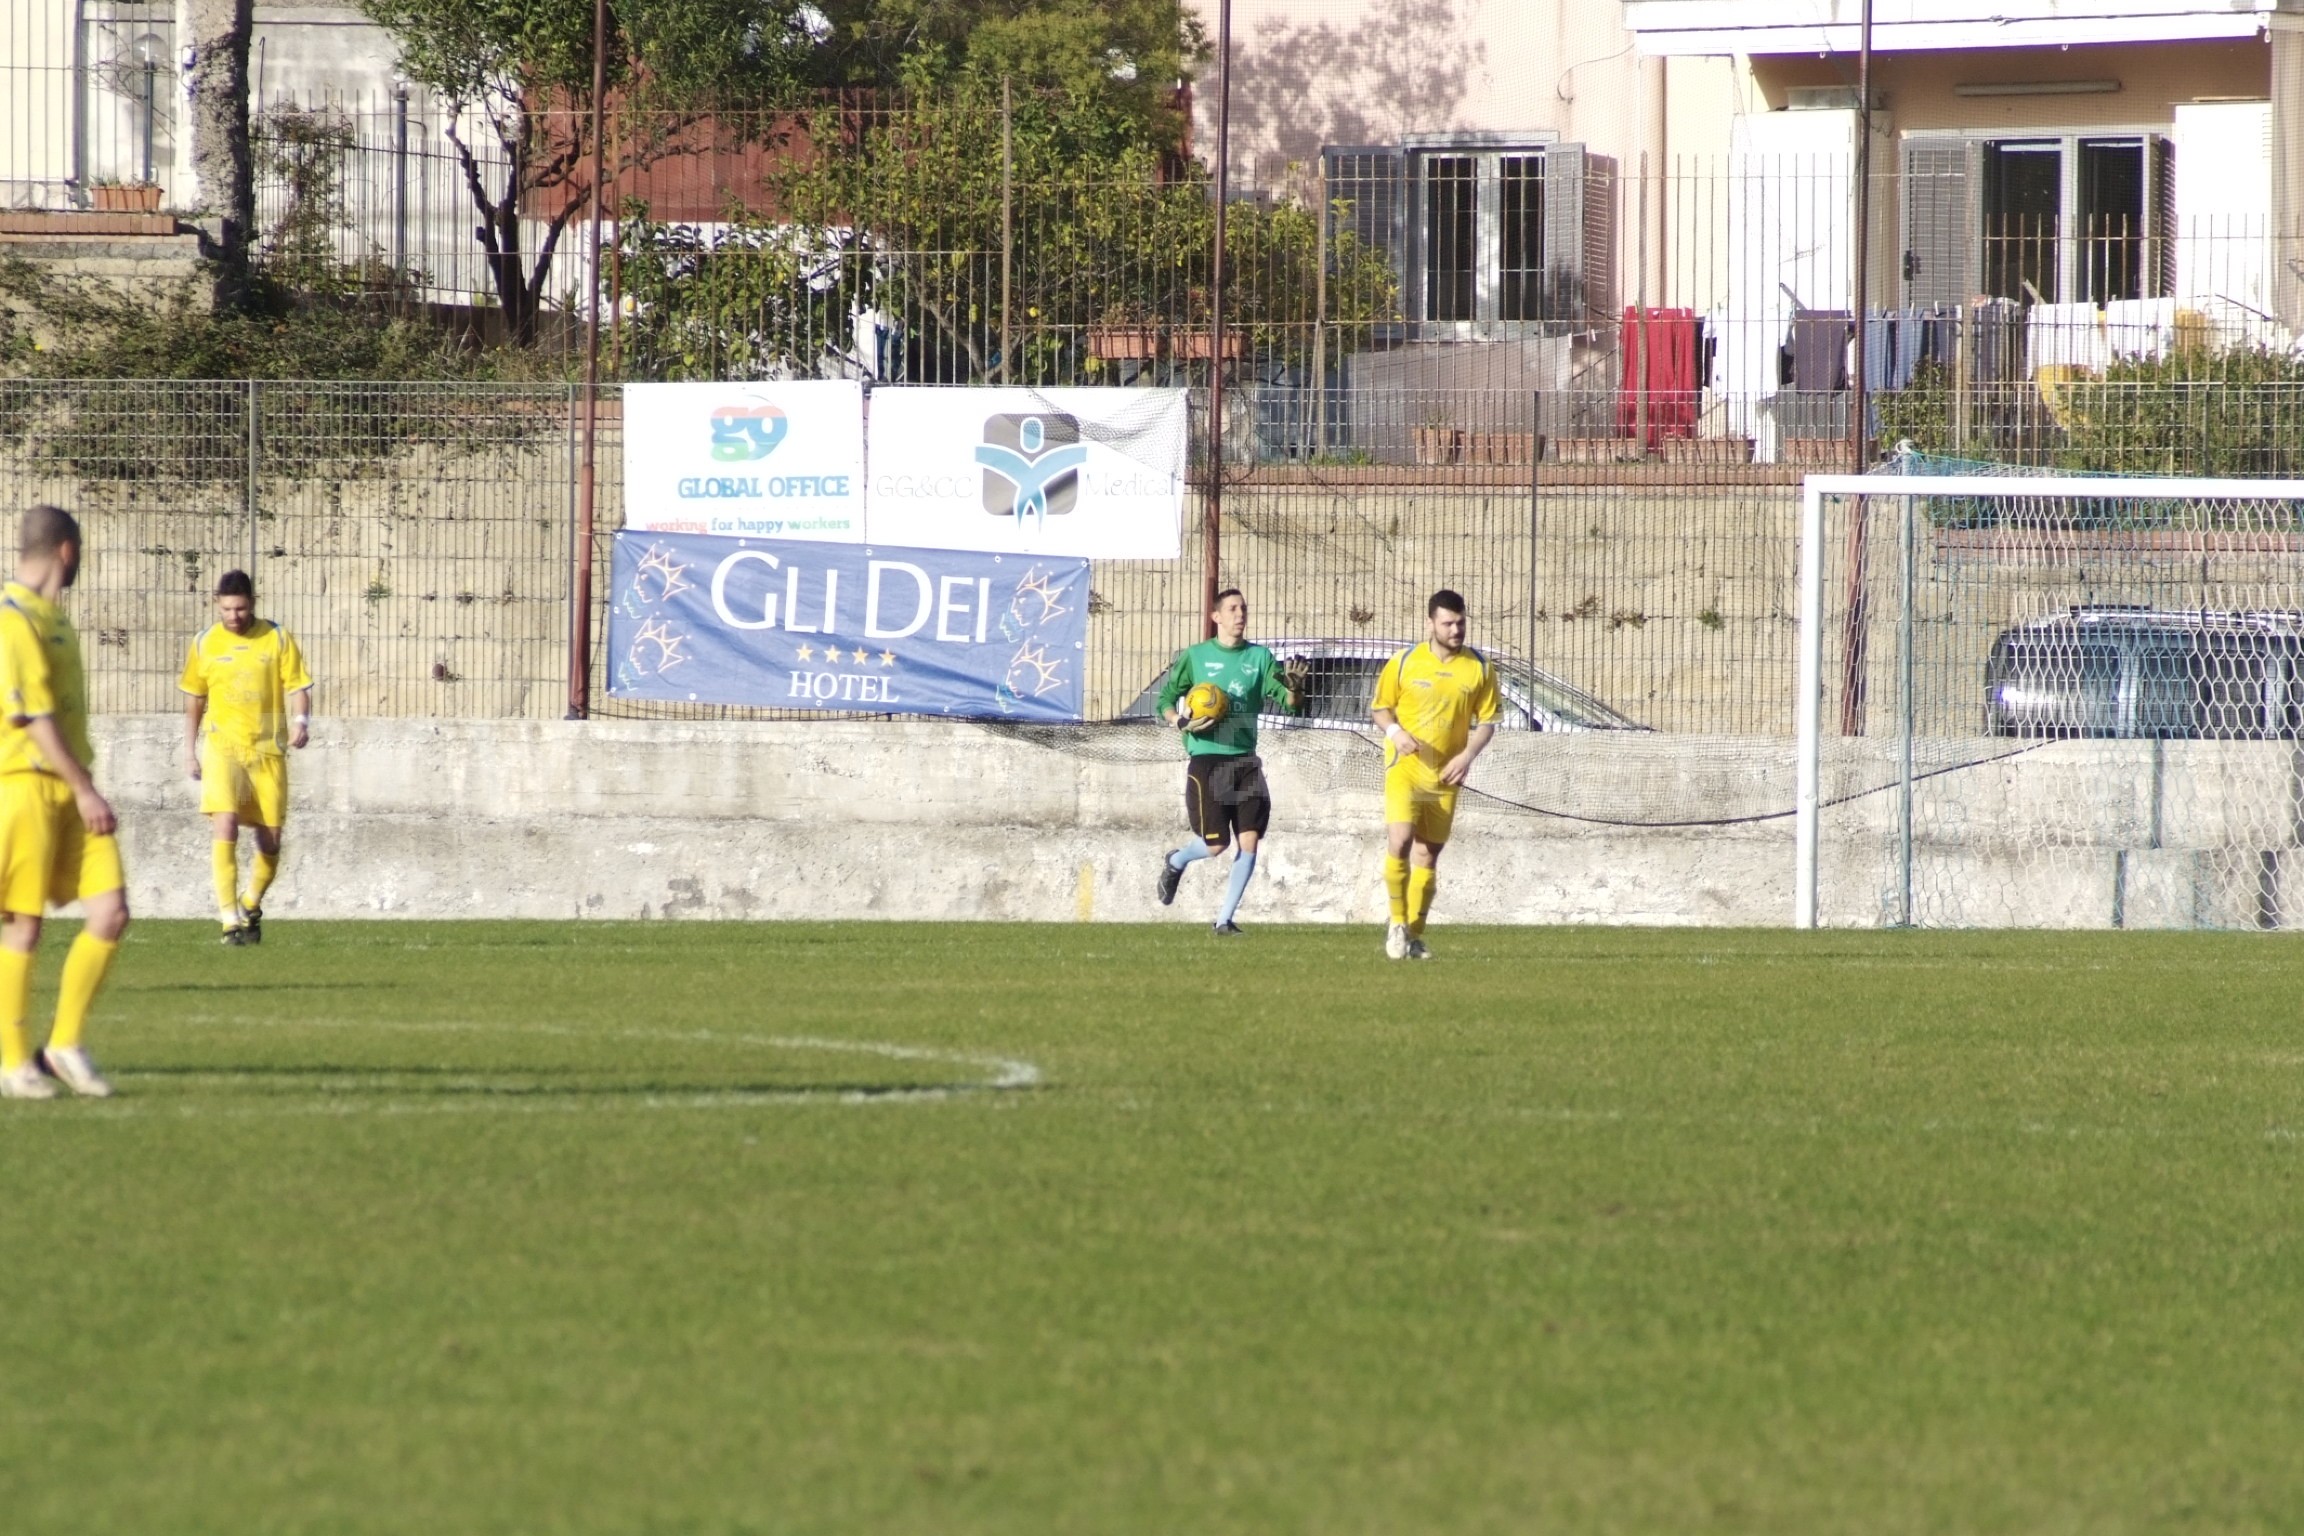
(2051,701)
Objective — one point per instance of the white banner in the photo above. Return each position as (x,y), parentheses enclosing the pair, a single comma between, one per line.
(772,461)
(1097,473)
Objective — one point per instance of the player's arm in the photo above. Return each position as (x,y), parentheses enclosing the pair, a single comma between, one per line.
(193,684)
(1385,711)
(1172,691)
(1486,708)
(296,678)
(30,692)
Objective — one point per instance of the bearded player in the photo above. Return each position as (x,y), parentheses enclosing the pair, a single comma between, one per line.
(1226,800)
(1436,704)
(247,699)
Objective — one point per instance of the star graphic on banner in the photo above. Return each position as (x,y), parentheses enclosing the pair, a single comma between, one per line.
(806,652)
(862,656)
(887,658)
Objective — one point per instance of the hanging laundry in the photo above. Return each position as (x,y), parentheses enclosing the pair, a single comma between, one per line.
(2144,328)
(1671,386)
(2066,336)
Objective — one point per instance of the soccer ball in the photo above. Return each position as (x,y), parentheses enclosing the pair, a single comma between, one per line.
(1206,701)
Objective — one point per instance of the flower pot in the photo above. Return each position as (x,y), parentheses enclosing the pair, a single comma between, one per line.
(1437,445)
(1117,343)
(1597,450)
(137,197)
(1707,450)
(1818,452)
(1503,447)
(1193,345)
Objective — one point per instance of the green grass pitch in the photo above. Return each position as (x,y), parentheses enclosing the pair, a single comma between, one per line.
(532,1228)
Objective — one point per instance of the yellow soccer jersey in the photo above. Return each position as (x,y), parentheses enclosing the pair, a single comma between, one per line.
(40,674)
(246,680)
(1438,702)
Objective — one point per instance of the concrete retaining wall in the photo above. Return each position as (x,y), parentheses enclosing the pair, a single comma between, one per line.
(622,819)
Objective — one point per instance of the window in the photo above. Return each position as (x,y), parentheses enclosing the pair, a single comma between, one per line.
(1488,239)
(2047,218)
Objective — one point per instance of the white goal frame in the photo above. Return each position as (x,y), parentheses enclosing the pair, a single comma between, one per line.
(1808,710)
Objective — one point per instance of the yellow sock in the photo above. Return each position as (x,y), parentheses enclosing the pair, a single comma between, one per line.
(85,965)
(224,861)
(264,869)
(1421,883)
(15,993)
(1396,886)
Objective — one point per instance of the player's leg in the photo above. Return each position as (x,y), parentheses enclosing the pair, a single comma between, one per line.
(1435,818)
(23,897)
(1399,824)
(224,867)
(88,868)
(1250,808)
(1204,815)
(268,785)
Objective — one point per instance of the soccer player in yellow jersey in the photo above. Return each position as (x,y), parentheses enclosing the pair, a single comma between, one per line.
(247,699)
(1437,707)
(56,843)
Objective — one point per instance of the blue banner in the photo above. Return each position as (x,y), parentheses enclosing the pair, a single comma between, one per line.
(792,625)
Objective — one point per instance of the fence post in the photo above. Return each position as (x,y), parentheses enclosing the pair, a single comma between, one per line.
(254,445)
(1007,231)
(1213,534)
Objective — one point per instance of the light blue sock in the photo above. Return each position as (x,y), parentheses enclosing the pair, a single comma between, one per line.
(1189,855)
(1243,867)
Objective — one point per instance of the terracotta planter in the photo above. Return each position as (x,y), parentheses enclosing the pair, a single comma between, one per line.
(1194,345)
(1597,450)
(137,197)
(1437,445)
(1707,450)
(1502,447)
(1120,343)
(1817,452)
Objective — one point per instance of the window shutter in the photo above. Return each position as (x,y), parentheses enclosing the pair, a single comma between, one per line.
(2160,219)
(1940,181)
(1579,234)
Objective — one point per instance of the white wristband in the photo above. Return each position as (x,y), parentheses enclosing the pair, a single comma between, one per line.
(1400,739)
(300,720)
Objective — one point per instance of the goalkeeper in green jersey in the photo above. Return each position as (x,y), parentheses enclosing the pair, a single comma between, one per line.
(1225,797)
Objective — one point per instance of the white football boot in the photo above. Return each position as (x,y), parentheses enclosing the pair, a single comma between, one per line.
(1396,942)
(26,1082)
(71,1067)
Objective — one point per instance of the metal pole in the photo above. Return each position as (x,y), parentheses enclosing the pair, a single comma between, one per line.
(1860,404)
(399,180)
(1807,710)
(1640,341)
(1535,464)
(254,443)
(1211,535)
(151,111)
(1905,671)
(1007,230)
(580,587)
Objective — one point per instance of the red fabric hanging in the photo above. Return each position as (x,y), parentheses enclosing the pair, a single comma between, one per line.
(1671,384)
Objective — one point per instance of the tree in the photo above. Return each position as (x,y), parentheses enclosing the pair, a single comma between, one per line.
(516,75)
(225,203)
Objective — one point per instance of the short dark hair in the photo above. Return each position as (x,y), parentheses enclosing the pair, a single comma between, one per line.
(236,584)
(1446,598)
(1218,600)
(45,530)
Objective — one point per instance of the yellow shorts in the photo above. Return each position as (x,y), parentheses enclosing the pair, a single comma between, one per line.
(250,785)
(1414,794)
(46,856)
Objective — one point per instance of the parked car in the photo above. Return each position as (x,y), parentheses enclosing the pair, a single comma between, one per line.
(2110,670)
(1340,687)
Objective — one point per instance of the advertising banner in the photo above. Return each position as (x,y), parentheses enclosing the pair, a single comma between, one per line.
(772,461)
(1090,472)
(847,627)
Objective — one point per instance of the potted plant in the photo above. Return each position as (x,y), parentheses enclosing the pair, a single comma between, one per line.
(114,196)
(1436,442)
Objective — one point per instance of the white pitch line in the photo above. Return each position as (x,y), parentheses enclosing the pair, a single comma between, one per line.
(1004,1075)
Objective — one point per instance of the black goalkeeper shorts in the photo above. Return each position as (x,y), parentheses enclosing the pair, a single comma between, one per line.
(1225,796)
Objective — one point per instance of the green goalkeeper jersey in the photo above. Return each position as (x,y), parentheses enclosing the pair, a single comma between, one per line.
(1248,674)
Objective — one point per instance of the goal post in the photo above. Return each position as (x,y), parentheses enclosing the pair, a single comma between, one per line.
(2070,700)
